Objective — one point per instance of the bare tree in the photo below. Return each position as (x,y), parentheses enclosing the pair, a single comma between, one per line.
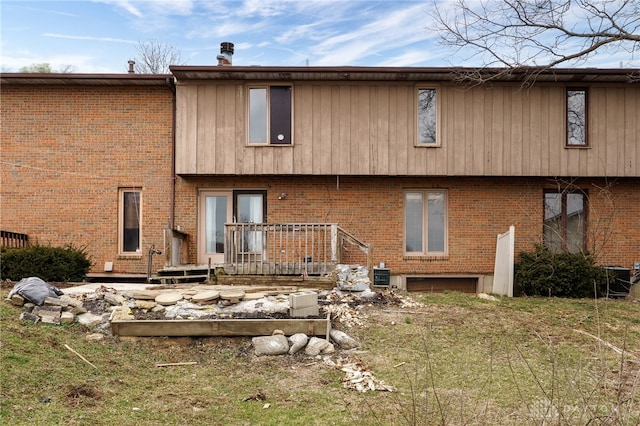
(154,57)
(46,68)
(539,34)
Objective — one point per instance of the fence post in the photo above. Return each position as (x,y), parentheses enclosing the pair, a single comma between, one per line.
(334,243)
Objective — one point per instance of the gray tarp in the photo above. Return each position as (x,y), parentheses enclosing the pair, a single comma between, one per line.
(34,290)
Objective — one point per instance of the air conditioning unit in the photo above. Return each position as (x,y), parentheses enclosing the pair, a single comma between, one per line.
(381,277)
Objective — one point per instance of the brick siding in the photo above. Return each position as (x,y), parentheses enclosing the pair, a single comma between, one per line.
(65,152)
(372,209)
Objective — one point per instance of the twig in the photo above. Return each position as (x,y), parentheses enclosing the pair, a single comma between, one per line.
(172,364)
(81,357)
(607,344)
(399,365)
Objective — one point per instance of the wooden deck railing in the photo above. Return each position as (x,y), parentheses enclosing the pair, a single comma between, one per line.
(13,239)
(287,249)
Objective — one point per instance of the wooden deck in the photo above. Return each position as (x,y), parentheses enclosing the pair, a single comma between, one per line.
(248,274)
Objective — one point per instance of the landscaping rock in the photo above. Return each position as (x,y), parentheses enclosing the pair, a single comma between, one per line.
(316,346)
(77,310)
(17,300)
(344,340)
(50,319)
(114,299)
(88,319)
(145,304)
(95,336)
(298,341)
(71,301)
(67,318)
(271,345)
(55,301)
(28,316)
(51,311)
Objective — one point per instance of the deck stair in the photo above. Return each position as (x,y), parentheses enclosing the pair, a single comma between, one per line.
(206,273)
(182,274)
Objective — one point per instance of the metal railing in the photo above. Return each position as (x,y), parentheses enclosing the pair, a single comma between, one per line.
(13,239)
(287,249)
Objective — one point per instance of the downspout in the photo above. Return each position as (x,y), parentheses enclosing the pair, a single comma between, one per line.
(172,86)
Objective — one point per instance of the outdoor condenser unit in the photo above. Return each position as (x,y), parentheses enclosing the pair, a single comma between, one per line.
(381,277)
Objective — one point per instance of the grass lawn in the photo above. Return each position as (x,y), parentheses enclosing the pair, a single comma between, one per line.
(457,359)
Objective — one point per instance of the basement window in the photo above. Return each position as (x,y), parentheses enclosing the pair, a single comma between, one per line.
(270,115)
(130,219)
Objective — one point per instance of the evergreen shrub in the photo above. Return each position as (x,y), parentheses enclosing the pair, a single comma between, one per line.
(51,264)
(575,275)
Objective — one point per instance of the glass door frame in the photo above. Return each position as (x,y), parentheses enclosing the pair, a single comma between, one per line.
(261,239)
(203,255)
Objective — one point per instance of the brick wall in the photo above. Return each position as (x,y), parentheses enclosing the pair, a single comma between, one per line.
(371,208)
(66,150)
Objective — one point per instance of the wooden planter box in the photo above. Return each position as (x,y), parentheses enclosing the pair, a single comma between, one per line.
(220,327)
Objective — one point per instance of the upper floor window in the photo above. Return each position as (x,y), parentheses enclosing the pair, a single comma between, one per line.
(130,219)
(425,222)
(565,221)
(427,117)
(270,115)
(576,117)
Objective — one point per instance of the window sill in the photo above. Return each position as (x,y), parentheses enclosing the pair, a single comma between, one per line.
(132,256)
(577,146)
(273,145)
(425,257)
(427,145)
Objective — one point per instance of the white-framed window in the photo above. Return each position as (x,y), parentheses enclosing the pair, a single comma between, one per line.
(428,117)
(270,115)
(130,221)
(577,108)
(425,216)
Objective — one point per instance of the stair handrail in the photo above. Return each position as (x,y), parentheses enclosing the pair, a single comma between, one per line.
(366,248)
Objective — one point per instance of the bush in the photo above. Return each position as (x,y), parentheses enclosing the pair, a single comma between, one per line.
(57,264)
(543,273)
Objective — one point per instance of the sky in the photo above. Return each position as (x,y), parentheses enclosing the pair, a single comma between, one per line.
(100,36)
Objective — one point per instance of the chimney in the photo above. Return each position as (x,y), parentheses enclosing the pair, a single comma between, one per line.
(131,63)
(226,53)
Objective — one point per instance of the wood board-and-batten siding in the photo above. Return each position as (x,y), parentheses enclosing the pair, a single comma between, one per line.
(370,129)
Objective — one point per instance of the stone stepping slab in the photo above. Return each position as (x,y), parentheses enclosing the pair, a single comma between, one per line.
(166,299)
(205,296)
(234,296)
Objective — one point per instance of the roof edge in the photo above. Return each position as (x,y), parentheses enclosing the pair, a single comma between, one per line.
(84,79)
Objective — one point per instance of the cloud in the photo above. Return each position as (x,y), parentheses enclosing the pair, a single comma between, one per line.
(90,38)
(123,4)
(385,34)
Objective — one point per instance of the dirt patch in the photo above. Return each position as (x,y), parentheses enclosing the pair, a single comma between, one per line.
(82,395)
